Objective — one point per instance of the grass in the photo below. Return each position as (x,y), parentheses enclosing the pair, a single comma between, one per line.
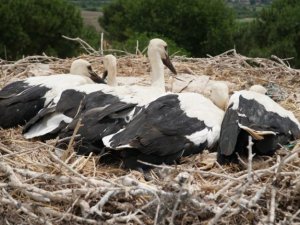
(90,18)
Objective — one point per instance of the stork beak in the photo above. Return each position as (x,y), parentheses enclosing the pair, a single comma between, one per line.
(94,77)
(104,75)
(167,62)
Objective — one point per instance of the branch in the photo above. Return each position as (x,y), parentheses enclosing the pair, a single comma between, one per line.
(84,45)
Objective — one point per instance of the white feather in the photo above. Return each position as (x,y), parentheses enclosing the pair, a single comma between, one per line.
(107,139)
(200,107)
(264,100)
(47,125)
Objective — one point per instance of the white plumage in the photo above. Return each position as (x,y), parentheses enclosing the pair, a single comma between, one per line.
(169,127)
(21,100)
(254,114)
(131,95)
(53,118)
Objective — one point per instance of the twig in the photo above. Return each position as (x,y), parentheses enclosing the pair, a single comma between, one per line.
(61,179)
(250,157)
(85,45)
(101,203)
(11,201)
(55,158)
(272,206)
(69,150)
(178,201)
(137,47)
(101,44)
(67,216)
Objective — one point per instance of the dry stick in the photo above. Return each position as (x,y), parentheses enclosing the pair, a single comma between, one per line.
(35,58)
(137,47)
(53,196)
(91,192)
(16,153)
(101,44)
(11,201)
(102,202)
(292,155)
(61,179)
(276,168)
(157,212)
(65,196)
(67,216)
(6,150)
(85,45)
(14,180)
(295,215)
(46,194)
(247,204)
(116,50)
(127,218)
(250,157)
(202,172)
(249,181)
(69,149)
(280,61)
(84,207)
(252,202)
(94,166)
(22,73)
(243,58)
(76,162)
(272,206)
(70,208)
(186,86)
(55,158)
(235,199)
(231,51)
(67,139)
(85,161)
(222,211)
(131,182)
(178,201)
(224,189)
(68,159)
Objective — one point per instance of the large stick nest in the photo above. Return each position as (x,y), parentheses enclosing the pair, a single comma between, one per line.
(38,187)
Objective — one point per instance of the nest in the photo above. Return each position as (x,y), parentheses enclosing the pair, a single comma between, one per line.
(38,187)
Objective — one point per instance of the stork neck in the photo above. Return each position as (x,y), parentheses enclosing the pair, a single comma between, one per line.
(157,72)
(112,76)
(221,101)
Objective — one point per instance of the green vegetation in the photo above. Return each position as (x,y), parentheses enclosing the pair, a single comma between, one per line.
(91,5)
(32,27)
(248,11)
(143,40)
(275,31)
(201,27)
(192,27)
(198,26)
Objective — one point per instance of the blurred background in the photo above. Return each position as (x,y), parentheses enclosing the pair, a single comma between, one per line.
(195,28)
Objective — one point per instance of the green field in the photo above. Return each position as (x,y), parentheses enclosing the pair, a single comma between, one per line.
(246,20)
(90,18)
(90,5)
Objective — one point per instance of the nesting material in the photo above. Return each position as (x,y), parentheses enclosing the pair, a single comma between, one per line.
(38,187)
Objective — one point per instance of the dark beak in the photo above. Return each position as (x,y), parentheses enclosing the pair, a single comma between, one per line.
(169,64)
(105,73)
(94,77)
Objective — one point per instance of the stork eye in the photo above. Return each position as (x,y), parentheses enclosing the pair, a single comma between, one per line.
(89,67)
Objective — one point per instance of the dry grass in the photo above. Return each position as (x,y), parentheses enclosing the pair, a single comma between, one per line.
(37,187)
